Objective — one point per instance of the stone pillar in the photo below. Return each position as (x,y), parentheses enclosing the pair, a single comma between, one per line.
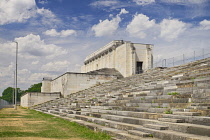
(149,57)
(46,84)
(133,61)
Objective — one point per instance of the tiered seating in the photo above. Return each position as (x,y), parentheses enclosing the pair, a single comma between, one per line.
(162,103)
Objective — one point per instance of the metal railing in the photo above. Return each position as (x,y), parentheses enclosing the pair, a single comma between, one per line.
(182,59)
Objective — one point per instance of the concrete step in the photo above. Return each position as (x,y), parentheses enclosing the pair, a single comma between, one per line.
(182,127)
(201,120)
(187,113)
(186,128)
(147,105)
(157,110)
(125,136)
(144,115)
(172,135)
(200,104)
(171,120)
(139,133)
(199,107)
(118,134)
(155,126)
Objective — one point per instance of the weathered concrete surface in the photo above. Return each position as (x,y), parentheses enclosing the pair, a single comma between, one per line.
(121,55)
(35,98)
(69,83)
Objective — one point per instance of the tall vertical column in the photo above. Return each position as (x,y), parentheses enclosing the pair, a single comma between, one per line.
(133,53)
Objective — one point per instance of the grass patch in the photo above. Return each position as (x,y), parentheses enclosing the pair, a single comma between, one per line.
(168,112)
(37,124)
(173,93)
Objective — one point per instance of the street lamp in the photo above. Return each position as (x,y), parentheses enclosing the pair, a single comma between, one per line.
(13,95)
(15,107)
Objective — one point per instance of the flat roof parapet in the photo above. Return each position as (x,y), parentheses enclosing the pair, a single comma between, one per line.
(41,93)
(47,79)
(104,48)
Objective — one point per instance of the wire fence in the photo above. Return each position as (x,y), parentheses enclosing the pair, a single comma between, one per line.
(5,104)
(182,59)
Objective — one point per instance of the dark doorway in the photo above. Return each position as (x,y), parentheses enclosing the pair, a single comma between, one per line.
(139,67)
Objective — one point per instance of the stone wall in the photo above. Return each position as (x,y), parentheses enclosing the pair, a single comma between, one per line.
(121,55)
(69,83)
(35,98)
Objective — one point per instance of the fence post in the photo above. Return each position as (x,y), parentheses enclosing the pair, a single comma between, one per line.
(194,55)
(173,61)
(183,59)
(163,63)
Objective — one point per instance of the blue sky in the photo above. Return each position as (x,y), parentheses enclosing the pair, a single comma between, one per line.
(55,36)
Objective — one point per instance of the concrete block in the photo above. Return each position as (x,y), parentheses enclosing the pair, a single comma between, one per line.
(171,120)
(155,126)
(187,113)
(139,133)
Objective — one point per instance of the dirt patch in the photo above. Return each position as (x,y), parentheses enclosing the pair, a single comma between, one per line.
(37,138)
(13,121)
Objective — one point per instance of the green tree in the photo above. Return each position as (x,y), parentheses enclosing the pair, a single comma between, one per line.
(35,88)
(7,94)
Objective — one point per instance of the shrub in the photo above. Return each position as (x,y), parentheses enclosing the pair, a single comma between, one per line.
(174,93)
(168,112)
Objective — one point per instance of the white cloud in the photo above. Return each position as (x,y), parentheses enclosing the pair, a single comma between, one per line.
(51,32)
(205,25)
(143,2)
(24,72)
(46,13)
(47,17)
(105,3)
(20,11)
(63,33)
(184,2)
(7,71)
(33,54)
(35,62)
(108,27)
(139,26)
(171,29)
(31,46)
(43,1)
(109,5)
(123,11)
(168,29)
(16,10)
(56,66)
(37,77)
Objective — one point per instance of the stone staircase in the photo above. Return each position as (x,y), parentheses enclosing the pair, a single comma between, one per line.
(161,103)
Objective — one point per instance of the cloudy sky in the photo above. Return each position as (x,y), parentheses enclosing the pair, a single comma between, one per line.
(55,36)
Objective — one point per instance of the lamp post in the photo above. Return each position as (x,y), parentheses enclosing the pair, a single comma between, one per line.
(15,107)
(13,95)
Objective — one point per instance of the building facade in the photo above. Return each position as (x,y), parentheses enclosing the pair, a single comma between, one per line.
(34,98)
(69,82)
(126,57)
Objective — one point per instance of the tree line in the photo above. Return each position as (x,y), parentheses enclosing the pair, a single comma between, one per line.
(7,94)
